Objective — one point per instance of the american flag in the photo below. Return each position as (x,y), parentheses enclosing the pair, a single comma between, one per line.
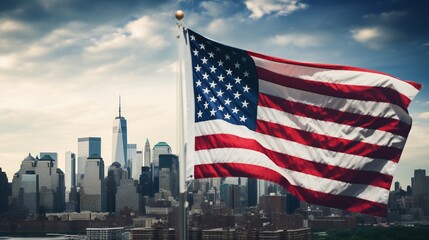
(331,135)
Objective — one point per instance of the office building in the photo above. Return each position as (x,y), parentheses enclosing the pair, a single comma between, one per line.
(145,182)
(170,180)
(38,186)
(104,233)
(147,158)
(159,148)
(114,174)
(30,195)
(419,187)
(70,174)
(127,195)
(86,147)
(4,192)
(133,162)
(119,139)
(252,192)
(92,190)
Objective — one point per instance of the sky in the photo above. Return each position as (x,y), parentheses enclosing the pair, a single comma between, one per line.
(64,63)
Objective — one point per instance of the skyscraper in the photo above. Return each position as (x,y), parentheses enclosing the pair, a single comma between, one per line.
(419,187)
(86,147)
(132,160)
(4,192)
(147,159)
(93,192)
(70,167)
(119,140)
(42,183)
(138,167)
(159,148)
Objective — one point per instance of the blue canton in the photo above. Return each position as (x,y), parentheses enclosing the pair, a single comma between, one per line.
(225,82)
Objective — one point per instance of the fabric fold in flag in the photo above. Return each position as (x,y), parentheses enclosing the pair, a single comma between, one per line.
(331,135)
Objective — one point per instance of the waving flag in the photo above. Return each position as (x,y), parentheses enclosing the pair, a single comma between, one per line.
(331,135)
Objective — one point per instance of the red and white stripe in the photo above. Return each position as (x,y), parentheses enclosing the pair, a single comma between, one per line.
(331,135)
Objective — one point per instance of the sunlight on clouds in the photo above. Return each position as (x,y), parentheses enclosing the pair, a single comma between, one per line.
(259,8)
(299,40)
(417,143)
(424,115)
(366,34)
(142,31)
(12,26)
(372,37)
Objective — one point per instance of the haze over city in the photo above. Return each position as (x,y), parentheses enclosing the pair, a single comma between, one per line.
(63,64)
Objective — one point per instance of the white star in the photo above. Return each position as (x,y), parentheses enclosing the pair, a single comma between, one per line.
(227,57)
(199,98)
(200,114)
(213,69)
(220,93)
(235,110)
(197,68)
(221,78)
(243,118)
(192,37)
(238,80)
(237,95)
(204,59)
(206,91)
(198,83)
(227,101)
(228,72)
(246,88)
(246,74)
(228,86)
(213,99)
(211,54)
(212,112)
(220,108)
(202,46)
(217,49)
(206,105)
(237,65)
(220,63)
(195,52)
(205,76)
(245,103)
(227,116)
(213,84)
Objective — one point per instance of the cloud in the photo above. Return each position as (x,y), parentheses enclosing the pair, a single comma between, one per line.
(298,40)
(386,16)
(213,9)
(424,115)
(259,8)
(372,37)
(143,31)
(8,25)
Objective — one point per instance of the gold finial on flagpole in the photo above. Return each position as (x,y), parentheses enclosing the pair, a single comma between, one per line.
(179,15)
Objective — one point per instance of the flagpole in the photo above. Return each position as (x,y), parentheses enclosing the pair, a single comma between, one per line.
(180,128)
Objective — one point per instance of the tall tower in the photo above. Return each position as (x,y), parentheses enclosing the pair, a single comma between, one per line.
(86,147)
(70,168)
(119,140)
(147,154)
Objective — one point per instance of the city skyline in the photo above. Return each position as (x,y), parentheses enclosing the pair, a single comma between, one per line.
(63,65)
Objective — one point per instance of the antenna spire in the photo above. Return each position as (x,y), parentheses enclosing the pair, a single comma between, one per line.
(119,105)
